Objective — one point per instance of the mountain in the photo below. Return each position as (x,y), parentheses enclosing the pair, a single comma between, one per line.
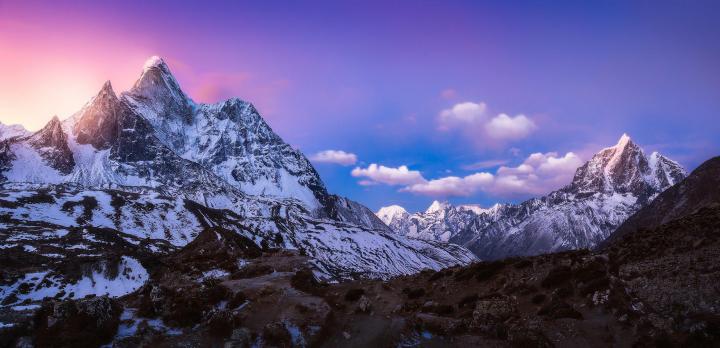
(440,222)
(615,183)
(228,138)
(606,190)
(154,168)
(700,190)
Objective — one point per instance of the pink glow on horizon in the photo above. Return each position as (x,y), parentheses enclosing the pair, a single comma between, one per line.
(49,72)
(53,66)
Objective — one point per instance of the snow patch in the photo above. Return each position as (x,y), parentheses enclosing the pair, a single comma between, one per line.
(131,275)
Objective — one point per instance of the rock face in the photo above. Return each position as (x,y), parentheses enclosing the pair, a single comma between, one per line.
(605,191)
(98,123)
(150,163)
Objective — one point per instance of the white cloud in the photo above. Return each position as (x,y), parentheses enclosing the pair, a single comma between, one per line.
(474,120)
(389,176)
(461,114)
(540,173)
(452,185)
(510,128)
(334,156)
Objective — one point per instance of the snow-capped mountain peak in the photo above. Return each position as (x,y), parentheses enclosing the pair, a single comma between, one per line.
(437,206)
(158,91)
(624,148)
(623,141)
(624,168)
(229,137)
(390,213)
(11,131)
(477,209)
(664,171)
(153,62)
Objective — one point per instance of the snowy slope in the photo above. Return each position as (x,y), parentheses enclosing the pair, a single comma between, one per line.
(340,249)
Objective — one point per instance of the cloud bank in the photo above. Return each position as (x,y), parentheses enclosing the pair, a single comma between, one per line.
(452,185)
(538,174)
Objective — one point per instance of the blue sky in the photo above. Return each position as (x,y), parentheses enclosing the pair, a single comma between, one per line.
(374,79)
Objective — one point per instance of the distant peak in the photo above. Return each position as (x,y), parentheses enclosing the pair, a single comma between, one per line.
(477,209)
(153,62)
(437,206)
(389,213)
(392,208)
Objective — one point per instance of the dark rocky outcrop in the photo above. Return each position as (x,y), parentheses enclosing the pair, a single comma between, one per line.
(82,323)
(98,122)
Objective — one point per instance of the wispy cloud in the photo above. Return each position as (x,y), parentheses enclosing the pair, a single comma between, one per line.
(485,164)
(452,185)
(448,94)
(335,156)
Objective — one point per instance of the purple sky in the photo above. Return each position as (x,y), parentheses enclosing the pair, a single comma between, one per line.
(436,86)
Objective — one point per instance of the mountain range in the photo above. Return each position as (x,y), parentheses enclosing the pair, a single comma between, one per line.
(654,283)
(615,183)
(156,168)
